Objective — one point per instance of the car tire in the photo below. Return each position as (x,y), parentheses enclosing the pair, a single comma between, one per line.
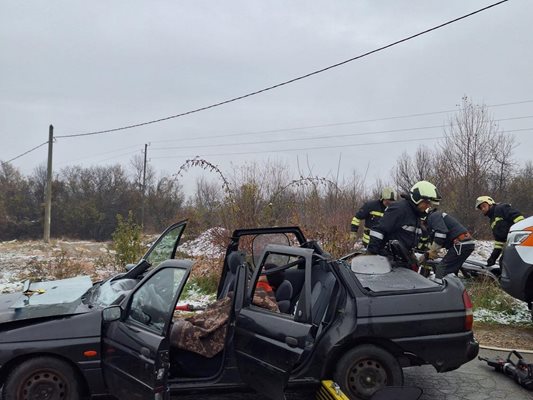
(365,369)
(42,378)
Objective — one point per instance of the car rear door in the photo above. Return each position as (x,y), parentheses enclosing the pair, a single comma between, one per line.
(136,346)
(269,344)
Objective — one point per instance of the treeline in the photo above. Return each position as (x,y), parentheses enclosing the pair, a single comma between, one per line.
(475,158)
(85,202)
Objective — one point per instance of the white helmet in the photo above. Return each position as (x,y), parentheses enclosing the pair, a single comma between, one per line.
(424,190)
(388,194)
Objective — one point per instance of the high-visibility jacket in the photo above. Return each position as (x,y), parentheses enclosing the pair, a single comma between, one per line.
(401,221)
(371,212)
(502,217)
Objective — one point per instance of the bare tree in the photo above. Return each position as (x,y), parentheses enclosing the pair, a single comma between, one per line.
(474,152)
(409,170)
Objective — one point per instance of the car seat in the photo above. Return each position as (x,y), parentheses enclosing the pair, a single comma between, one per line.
(283,296)
(234,259)
(282,288)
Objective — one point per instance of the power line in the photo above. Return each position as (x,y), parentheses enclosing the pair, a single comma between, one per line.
(311,127)
(288,81)
(26,152)
(298,128)
(324,147)
(313,148)
(299,139)
(323,137)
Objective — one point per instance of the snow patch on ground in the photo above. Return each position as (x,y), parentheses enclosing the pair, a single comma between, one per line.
(15,255)
(203,245)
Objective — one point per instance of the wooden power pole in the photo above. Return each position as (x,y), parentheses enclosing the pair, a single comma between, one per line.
(143,185)
(48,189)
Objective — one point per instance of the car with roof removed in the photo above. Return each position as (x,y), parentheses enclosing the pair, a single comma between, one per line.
(357,323)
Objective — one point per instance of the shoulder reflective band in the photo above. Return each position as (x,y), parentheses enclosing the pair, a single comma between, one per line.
(444,214)
(409,228)
(376,213)
(496,220)
(412,229)
(519,218)
(440,235)
(377,234)
(499,245)
(356,221)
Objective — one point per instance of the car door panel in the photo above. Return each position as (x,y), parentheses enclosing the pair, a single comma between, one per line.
(268,345)
(136,347)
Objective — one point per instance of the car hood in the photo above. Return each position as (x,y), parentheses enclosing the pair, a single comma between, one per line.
(42,299)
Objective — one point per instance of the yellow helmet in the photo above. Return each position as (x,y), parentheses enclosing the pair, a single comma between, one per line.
(424,190)
(388,194)
(484,199)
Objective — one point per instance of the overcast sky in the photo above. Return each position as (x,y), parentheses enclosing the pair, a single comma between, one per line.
(89,66)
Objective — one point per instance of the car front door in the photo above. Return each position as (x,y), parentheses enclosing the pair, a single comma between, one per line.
(135,346)
(269,344)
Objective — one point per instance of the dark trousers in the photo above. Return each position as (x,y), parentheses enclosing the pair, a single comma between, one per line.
(454,258)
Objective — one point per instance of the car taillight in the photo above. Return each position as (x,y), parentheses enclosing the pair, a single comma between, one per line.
(469,316)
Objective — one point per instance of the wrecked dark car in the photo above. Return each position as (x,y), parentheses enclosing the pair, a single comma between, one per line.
(326,320)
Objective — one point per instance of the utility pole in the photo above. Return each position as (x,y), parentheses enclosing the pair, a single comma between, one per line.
(48,189)
(143,185)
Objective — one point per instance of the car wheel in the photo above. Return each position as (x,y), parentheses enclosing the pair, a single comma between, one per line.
(42,378)
(365,369)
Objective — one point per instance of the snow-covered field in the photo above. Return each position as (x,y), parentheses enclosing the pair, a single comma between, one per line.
(15,256)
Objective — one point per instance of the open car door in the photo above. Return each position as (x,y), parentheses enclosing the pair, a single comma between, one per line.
(268,344)
(135,354)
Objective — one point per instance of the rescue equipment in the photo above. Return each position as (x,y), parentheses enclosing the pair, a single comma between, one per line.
(521,371)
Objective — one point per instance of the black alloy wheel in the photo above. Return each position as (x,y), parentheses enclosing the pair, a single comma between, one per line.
(365,369)
(42,378)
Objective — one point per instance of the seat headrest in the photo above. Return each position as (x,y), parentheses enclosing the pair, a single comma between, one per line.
(235,259)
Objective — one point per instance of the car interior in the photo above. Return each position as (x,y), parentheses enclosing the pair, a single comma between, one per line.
(287,280)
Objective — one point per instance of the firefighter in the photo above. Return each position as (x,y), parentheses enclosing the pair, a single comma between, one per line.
(371,212)
(502,217)
(401,220)
(446,232)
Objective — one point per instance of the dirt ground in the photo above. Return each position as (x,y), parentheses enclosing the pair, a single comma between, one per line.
(504,336)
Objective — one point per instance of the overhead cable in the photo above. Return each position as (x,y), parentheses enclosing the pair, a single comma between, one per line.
(29,151)
(278,150)
(288,81)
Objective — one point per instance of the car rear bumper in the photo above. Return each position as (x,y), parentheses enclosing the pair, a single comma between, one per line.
(515,274)
(445,352)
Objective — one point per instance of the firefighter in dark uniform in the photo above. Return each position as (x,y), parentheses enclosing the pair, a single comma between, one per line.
(401,220)
(446,232)
(502,217)
(371,212)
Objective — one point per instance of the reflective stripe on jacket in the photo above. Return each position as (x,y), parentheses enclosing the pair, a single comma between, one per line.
(502,217)
(371,212)
(399,222)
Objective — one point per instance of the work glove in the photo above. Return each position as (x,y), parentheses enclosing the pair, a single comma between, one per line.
(491,261)
(493,257)
(432,254)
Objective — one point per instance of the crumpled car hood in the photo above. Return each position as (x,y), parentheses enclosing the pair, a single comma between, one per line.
(44,299)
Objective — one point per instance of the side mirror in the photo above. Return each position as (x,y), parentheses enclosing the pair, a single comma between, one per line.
(112,313)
